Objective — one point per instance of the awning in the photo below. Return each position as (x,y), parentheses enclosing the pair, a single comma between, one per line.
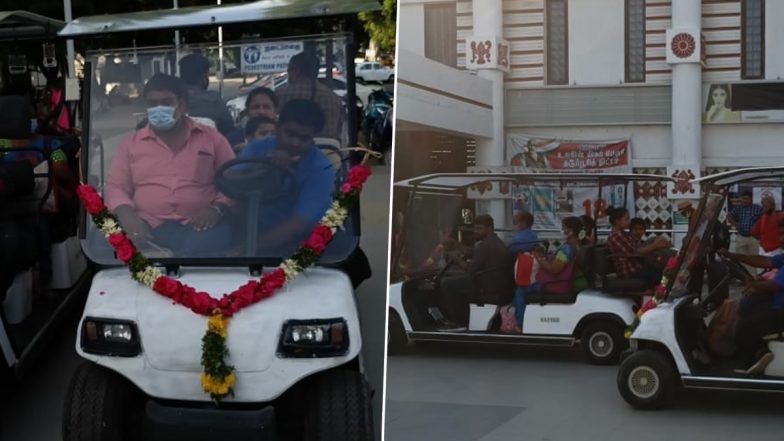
(16,25)
(262,10)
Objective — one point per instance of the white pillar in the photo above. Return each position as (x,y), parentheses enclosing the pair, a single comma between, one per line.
(687,94)
(686,106)
(488,19)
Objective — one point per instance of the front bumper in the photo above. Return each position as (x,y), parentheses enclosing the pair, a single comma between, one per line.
(172,423)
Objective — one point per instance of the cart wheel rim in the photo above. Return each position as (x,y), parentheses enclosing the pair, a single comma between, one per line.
(644,382)
(601,344)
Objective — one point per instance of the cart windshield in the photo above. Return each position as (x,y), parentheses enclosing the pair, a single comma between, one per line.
(217,153)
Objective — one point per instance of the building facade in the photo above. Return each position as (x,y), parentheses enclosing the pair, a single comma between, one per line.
(599,70)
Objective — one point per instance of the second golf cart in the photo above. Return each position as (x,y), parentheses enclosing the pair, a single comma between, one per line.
(670,348)
(443,205)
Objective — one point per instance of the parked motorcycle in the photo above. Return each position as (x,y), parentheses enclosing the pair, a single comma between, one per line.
(379,102)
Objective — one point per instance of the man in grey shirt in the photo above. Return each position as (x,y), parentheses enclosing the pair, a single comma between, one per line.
(203,103)
(489,271)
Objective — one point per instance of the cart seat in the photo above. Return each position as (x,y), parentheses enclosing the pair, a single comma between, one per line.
(499,298)
(544,298)
(611,282)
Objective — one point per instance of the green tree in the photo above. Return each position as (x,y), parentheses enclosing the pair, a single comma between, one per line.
(381,24)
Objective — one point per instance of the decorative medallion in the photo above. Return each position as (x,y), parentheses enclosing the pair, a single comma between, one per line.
(683,45)
(480,51)
(684,184)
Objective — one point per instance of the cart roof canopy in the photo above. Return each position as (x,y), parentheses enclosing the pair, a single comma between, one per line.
(15,25)
(743,175)
(261,10)
(458,181)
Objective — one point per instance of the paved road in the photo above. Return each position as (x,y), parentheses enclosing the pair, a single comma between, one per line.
(33,411)
(473,393)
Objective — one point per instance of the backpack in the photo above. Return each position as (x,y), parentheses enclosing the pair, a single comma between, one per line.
(525,269)
(508,319)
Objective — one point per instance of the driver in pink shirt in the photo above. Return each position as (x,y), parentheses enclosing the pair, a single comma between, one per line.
(160,183)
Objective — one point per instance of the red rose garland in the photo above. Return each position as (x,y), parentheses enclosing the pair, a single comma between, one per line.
(218,377)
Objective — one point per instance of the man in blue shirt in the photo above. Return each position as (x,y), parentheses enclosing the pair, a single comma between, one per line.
(287,222)
(761,311)
(743,217)
(525,240)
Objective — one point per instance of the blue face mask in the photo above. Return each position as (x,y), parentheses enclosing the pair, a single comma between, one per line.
(161,117)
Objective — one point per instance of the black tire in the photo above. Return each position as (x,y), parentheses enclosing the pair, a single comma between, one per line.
(339,408)
(647,380)
(96,406)
(396,334)
(386,157)
(603,342)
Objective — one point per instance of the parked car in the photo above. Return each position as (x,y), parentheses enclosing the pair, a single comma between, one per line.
(373,71)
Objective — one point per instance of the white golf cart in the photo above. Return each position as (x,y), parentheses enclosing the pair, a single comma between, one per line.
(37,218)
(668,346)
(443,205)
(297,355)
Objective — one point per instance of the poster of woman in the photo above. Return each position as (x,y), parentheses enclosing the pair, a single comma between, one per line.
(718,105)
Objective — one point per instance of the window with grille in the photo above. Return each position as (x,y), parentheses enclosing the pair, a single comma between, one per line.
(557,41)
(635,41)
(753,39)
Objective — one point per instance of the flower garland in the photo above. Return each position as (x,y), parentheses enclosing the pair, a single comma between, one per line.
(217,378)
(658,296)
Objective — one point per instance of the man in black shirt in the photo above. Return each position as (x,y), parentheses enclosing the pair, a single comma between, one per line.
(489,271)
(203,103)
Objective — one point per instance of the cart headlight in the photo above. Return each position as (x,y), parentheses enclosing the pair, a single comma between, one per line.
(118,338)
(313,339)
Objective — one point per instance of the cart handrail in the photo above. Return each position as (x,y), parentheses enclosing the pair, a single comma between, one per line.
(429,181)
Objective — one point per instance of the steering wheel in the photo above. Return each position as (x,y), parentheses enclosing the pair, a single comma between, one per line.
(257,178)
(736,270)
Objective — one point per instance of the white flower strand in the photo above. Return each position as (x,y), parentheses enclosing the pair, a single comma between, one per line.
(109,227)
(290,268)
(149,275)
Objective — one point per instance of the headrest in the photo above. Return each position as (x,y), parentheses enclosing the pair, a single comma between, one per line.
(15,114)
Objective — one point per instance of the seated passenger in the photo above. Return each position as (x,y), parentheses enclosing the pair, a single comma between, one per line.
(160,183)
(261,101)
(203,103)
(761,311)
(257,128)
(284,224)
(557,272)
(656,259)
(525,239)
(627,255)
(489,271)
(523,242)
(589,226)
